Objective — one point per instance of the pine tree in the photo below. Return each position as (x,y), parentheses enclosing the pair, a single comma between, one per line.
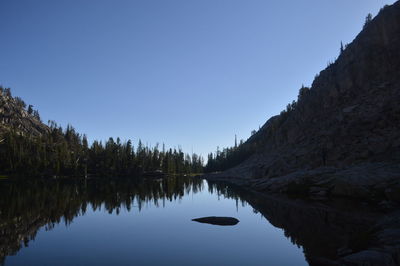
(30,109)
(368,19)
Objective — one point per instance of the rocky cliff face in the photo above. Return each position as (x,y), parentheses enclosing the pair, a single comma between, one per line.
(350,115)
(14,116)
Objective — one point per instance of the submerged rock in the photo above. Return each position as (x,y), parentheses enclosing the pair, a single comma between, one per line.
(369,258)
(217,220)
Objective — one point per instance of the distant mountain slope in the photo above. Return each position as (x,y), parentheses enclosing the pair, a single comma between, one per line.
(15,116)
(350,115)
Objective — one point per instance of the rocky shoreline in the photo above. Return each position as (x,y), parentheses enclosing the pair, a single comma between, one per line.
(375,185)
(366,181)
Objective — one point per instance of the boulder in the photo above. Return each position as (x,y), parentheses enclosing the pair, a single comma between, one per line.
(217,220)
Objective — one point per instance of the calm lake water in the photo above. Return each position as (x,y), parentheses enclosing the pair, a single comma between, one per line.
(98,222)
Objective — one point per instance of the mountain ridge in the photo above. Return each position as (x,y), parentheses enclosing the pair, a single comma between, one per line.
(339,140)
(349,115)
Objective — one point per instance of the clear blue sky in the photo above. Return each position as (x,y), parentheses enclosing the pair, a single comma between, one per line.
(189,73)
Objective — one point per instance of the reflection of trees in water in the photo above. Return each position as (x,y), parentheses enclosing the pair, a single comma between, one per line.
(222,189)
(26,207)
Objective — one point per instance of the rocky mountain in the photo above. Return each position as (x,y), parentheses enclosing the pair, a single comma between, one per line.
(14,115)
(340,140)
(345,127)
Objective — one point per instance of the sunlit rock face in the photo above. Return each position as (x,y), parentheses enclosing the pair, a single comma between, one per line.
(14,115)
(349,116)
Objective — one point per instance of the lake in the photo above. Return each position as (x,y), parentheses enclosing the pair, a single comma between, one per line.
(149,222)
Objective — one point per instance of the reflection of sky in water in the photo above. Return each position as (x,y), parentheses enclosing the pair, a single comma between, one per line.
(163,236)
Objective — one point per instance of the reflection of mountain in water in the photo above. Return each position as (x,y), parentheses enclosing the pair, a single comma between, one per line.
(321,229)
(25,208)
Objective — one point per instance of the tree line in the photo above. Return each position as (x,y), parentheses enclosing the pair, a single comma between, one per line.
(229,157)
(65,152)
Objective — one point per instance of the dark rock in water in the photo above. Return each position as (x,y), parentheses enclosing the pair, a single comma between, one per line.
(217,220)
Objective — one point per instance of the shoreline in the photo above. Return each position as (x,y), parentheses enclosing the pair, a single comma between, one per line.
(375,185)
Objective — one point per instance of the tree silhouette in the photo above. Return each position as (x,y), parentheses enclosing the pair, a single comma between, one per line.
(368,19)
